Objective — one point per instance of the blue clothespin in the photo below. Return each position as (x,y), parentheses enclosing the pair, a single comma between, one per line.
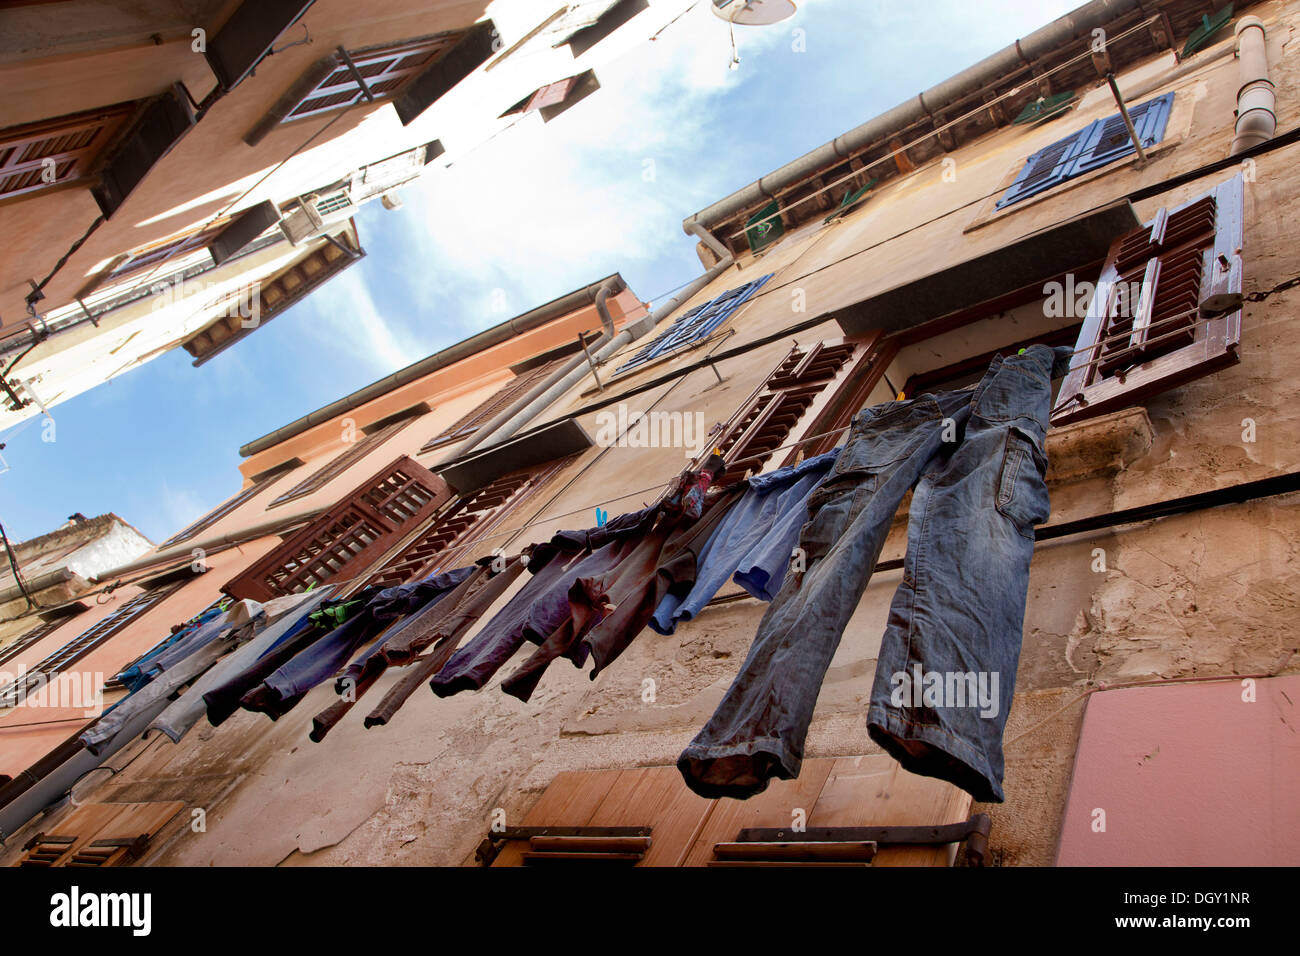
(601,518)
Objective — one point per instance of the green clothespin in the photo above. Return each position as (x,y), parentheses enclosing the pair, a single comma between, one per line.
(1021,352)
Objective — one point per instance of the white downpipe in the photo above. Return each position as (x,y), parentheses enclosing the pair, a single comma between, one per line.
(1256,97)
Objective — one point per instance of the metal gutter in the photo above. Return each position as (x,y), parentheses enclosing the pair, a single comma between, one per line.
(438,360)
(1011,59)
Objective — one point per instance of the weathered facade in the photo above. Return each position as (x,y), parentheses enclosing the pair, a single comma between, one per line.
(958,249)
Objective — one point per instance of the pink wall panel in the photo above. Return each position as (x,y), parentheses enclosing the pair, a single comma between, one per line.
(1187,775)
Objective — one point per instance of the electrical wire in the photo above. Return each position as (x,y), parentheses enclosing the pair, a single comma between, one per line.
(13,564)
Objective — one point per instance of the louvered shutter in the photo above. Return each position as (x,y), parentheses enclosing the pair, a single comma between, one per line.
(447,542)
(1048,167)
(696,324)
(72,143)
(38,633)
(485,411)
(1097,144)
(1108,140)
(767,418)
(1167,308)
(346,540)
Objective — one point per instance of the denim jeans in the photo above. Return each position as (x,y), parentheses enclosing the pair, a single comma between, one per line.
(947,664)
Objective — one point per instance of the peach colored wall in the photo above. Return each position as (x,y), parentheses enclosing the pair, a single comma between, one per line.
(1187,775)
(27,733)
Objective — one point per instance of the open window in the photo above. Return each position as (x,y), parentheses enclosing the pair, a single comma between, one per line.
(412,73)
(763,423)
(555,98)
(693,327)
(451,537)
(1098,144)
(1167,308)
(351,536)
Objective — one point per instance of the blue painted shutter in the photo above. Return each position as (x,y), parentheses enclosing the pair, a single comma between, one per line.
(1108,139)
(1048,167)
(696,324)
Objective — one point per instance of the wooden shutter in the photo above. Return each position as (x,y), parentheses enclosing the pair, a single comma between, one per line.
(340,463)
(609,21)
(1167,308)
(767,418)
(161,125)
(248,36)
(1108,140)
(73,142)
(696,324)
(99,834)
(446,542)
(470,51)
(385,70)
(485,411)
(1097,144)
(88,640)
(344,541)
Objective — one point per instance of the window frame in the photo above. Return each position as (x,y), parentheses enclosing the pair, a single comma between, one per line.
(672,341)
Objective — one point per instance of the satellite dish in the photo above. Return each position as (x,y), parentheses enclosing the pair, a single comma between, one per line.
(754,13)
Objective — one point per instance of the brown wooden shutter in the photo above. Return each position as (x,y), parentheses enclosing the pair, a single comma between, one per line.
(767,418)
(446,543)
(1167,308)
(870,359)
(485,411)
(344,541)
(73,142)
(99,834)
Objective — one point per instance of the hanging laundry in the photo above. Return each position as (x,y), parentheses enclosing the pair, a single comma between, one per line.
(441,640)
(752,544)
(143,670)
(538,608)
(223,700)
(443,621)
(182,714)
(282,689)
(958,613)
(185,660)
(613,577)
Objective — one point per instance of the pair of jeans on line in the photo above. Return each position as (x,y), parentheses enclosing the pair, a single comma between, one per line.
(976,461)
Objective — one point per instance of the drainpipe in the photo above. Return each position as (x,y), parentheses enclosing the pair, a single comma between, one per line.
(557,386)
(1256,120)
(612,287)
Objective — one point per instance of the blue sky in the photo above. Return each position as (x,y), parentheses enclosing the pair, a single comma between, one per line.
(537,212)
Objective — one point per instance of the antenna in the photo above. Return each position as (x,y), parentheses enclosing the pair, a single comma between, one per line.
(753,13)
